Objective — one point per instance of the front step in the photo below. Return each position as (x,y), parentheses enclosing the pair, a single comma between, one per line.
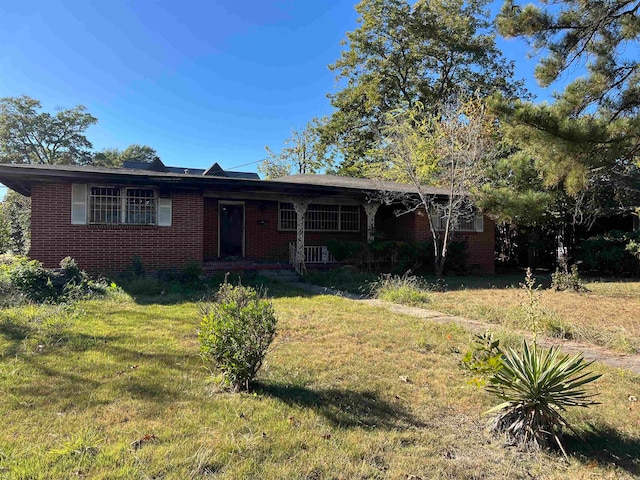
(283,275)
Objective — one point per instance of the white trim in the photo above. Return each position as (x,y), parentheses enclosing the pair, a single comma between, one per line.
(244,222)
(79,204)
(339,211)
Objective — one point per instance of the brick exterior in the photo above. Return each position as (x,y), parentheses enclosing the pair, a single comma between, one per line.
(109,248)
(193,235)
(263,240)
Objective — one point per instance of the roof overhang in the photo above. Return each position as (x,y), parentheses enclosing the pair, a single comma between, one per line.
(21,178)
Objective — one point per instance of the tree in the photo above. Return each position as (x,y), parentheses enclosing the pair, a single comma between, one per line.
(30,136)
(404,54)
(303,153)
(139,153)
(113,157)
(587,141)
(15,212)
(449,150)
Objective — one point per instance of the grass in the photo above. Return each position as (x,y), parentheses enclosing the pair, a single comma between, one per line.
(348,391)
(606,316)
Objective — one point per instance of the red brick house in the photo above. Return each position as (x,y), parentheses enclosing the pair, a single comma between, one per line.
(169,216)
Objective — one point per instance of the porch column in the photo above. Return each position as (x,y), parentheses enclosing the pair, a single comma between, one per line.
(370,209)
(300,205)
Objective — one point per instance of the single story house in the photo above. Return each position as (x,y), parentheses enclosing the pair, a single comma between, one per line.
(168,216)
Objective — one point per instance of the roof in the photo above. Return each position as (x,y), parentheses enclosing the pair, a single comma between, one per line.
(214,170)
(357,183)
(22,177)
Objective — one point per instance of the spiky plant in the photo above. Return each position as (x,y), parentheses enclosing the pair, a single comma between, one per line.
(537,386)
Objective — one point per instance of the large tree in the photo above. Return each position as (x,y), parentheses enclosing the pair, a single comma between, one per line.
(28,135)
(114,157)
(302,153)
(404,53)
(587,141)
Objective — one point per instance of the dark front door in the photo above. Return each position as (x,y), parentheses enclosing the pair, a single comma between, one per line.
(231,230)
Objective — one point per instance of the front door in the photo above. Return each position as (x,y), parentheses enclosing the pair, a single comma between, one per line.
(231,230)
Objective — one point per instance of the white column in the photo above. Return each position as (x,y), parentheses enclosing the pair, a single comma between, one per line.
(300,205)
(370,209)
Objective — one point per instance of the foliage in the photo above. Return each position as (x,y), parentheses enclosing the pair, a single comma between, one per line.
(402,54)
(113,157)
(236,332)
(23,279)
(405,289)
(30,136)
(563,279)
(15,215)
(397,256)
(451,151)
(485,356)
(611,253)
(586,142)
(537,385)
(303,153)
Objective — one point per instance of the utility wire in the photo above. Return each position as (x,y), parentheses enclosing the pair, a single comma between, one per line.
(245,164)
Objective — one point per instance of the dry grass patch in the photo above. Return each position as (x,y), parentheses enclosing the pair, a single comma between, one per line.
(347,392)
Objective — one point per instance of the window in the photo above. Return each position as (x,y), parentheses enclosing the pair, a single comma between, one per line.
(113,205)
(320,217)
(473,222)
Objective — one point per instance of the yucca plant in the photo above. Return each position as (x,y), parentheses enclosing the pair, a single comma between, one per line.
(537,385)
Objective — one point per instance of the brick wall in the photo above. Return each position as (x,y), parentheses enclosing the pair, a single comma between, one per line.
(480,245)
(109,248)
(263,240)
(194,234)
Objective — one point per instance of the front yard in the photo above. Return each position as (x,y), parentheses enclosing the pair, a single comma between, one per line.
(115,388)
(606,316)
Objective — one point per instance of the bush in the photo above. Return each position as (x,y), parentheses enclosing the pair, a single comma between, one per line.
(484,356)
(396,256)
(406,289)
(563,279)
(613,253)
(236,331)
(22,280)
(536,386)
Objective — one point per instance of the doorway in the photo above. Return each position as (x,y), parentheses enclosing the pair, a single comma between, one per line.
(231,244)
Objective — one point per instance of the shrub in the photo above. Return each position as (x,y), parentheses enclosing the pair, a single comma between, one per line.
(191,272)
(236,331)
(536,386)
(405,289)
(611,254)
(397,256)
(563,279)
(484,356)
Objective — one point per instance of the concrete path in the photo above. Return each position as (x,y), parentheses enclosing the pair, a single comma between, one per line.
(589,351)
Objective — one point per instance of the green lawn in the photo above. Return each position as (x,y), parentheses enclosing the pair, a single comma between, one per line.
(116,389)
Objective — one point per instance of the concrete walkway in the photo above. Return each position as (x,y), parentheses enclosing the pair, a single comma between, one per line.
(589,351)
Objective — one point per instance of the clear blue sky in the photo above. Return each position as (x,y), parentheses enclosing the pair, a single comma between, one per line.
(199,81)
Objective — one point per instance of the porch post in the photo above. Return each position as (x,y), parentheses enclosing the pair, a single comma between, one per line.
(370,209)
(300,205)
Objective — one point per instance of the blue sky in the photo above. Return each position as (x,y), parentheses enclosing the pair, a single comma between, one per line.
(198,81)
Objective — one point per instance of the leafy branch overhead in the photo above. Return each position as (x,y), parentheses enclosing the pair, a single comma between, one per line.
(403,54)
(588,141)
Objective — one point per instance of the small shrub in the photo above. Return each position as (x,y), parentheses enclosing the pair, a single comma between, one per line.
(236,331)
(484,356)
(191,272)
(563,279)
(537,385)
(406,289)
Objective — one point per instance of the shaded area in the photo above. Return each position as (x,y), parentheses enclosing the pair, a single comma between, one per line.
(606,446)
(344,408)
(153,291)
